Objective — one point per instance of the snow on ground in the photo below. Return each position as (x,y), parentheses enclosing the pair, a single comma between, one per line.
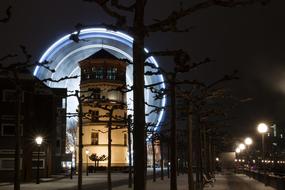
(98,181)
(223,182)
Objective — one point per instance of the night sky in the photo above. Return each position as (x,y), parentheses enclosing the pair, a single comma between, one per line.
(249,39)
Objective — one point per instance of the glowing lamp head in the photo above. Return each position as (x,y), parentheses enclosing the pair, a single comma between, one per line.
(238,150)
(248,141)
(87,152)
(262,128)
(217,159)
(39,140)
(241,146)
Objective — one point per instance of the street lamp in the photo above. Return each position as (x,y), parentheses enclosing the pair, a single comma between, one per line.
(237,150)
(248,141)
(262,128)
(87,154)
(241,146)
(39,141)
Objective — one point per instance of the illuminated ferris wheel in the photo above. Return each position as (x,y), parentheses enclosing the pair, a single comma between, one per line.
(65,54)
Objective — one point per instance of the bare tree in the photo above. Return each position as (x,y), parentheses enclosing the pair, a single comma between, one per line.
(140,30)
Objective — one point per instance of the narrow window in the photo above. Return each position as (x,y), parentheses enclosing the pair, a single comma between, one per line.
(94,138)
(125,139)
(95,116)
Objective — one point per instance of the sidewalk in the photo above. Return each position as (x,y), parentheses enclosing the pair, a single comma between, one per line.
(119,181)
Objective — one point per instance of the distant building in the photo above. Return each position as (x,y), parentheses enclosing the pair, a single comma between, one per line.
(101,74)
(43,113)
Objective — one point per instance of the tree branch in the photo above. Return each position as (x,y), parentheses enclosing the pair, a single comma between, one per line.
(170,22)
(8,15)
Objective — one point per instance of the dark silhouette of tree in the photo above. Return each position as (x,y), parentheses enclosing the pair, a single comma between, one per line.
(140,30)
(96,159)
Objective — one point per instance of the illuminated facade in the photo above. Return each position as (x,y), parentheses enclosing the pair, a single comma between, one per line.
(64,54)
(101,74)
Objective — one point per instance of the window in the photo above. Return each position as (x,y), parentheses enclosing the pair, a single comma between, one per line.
(94,138)
(8,163)
(125,139)
(9,129)
(35,163)
(111,73)
(98,72)
(94,116)
(9,95)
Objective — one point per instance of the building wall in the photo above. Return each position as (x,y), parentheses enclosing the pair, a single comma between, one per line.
(39,115)
(96,118)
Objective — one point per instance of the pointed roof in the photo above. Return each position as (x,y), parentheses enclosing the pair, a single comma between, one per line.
(102,54)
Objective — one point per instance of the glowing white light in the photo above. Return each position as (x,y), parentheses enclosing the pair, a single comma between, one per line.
(71,149)
(87,152)
(241,146)
(39,140)
(248,141)
(238,150)
(262,128)
(217,159)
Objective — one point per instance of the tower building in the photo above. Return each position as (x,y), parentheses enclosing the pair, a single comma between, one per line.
(101,74)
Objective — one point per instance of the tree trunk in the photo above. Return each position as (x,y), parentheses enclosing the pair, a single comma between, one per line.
(109,150)
(205,149)
(139,100)
(80,145)
(173,168)
(161,161)
(168,159)
(17,175)
(130,152)
(210,155)
(200,157)
(153,159)
(190,171)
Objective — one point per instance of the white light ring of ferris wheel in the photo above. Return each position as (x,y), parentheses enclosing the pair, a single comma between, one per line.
(99,32)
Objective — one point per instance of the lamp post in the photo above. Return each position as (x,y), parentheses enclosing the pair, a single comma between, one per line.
(248,141)
(39,141)
(241,146)
(262,128)
(71,149)
(87,154)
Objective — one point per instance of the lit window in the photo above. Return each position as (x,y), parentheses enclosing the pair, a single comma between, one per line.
(98,72)
(112,73)
(35,163)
